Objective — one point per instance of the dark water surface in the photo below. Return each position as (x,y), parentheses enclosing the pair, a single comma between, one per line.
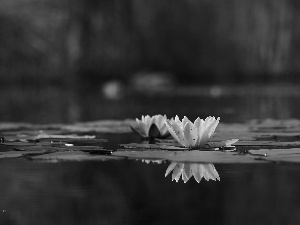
(132,192)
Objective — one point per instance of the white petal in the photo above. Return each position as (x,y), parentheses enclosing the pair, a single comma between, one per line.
(173,132)
(163,130)
(179,133)
(197,123)
(204,138)
(230,142)
(159,121)
(209,124)
(143,128)
(147,120)
(214,126)
(200,131)
(177,120)
(148,123)
(187,137)
(138,131)
(194,137)
(185,120)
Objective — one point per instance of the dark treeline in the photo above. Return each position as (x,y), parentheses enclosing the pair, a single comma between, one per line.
(61,42)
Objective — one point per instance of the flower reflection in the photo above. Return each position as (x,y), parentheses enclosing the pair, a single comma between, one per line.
(192,135)
(153,127)
(153,161)
(187,170)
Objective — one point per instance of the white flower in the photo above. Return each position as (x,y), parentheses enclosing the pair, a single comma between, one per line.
(187,170)
(192,135)
(153,127)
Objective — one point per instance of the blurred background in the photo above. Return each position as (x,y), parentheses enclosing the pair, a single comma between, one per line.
(66,61)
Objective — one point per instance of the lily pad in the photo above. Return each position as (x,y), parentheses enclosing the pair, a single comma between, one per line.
(73,156)
(174,146)
(278,155)
(162,155)
(17,154)
(64,136)
(268,143)
(18,143)
(194,156)
(91,149)
(213,157)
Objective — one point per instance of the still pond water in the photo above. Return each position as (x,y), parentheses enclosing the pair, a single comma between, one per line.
(129,191)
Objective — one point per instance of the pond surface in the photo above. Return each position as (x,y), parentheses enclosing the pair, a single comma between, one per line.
(132,192)
(94,180)
(100,172)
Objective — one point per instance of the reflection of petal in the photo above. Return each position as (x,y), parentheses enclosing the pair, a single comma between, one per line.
(210,172)
(150,160)
(187,173)
(187,170)
(170,168)
(196,172)
(204,173)
(177,171)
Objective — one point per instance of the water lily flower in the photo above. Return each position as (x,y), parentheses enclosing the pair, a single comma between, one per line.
(192,135)
(153,127)
(187,170)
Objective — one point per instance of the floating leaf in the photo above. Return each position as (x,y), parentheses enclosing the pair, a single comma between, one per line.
(16,154)
(60,136)
(140,146)
(278,155)
(212,157)
(18,143)
(77,142)
(144,154)
(73,156)
(91,149)
(177,147)
(268,143)
(11,154)
(191,156)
